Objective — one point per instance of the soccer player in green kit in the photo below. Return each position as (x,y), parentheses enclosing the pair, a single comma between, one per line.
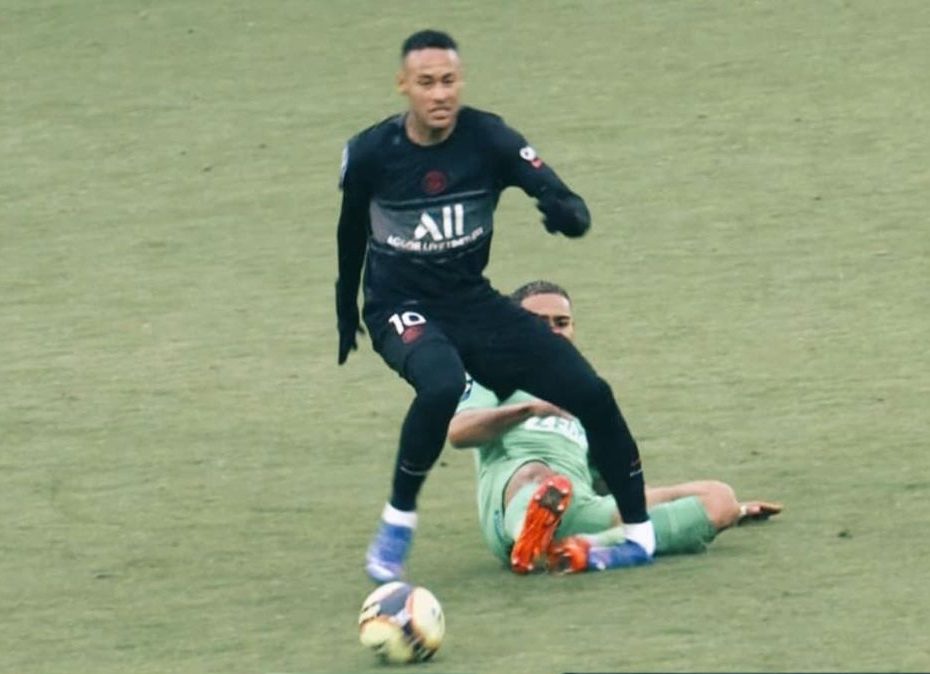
(538,499)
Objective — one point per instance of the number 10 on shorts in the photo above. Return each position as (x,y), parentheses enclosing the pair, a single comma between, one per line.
(407,319)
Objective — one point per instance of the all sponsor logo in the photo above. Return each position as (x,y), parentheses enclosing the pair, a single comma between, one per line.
(438,232)
(427,246)
(453,224)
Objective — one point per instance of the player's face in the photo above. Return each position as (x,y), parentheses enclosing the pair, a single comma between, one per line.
(556,310)
(431,79)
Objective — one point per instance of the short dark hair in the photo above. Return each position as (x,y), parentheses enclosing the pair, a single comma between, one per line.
(427,39)
(538,288)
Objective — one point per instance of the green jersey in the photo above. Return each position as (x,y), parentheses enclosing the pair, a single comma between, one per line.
(558,442)
(553,439)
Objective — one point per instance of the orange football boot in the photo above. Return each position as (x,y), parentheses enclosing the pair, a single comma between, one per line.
(569,555)
(542,518)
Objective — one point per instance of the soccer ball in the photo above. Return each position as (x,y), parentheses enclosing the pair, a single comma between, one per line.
(401,623)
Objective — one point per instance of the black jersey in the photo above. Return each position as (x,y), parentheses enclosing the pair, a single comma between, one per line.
(425,214)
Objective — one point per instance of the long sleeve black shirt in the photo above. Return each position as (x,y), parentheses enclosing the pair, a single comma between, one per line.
(424,214)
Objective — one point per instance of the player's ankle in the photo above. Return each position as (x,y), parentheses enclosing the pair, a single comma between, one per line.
(643,534)
(399,518)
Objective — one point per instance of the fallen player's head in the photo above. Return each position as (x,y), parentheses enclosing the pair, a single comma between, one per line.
(550,302)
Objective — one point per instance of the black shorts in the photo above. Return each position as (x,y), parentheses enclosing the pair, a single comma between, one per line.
(500,343)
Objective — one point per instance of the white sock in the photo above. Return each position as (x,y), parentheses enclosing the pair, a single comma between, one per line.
(642,533)
(399,518)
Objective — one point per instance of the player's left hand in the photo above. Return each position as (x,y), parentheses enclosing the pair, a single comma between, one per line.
(567,215)
(347,338)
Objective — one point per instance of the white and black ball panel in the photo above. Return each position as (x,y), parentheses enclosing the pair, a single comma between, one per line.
(387,640)
(389,599)
(427,621)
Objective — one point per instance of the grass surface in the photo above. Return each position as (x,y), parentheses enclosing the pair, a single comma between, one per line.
(187,480)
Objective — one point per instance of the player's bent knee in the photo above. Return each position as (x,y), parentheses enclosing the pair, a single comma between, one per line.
(445,392)
(444,386)
(438,382)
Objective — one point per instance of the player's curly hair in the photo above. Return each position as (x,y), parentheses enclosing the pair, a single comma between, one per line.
(538,288)
(427,39)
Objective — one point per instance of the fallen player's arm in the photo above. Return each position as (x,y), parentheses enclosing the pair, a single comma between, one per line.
(472,428)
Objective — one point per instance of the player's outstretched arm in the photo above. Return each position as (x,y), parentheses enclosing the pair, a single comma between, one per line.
(476,427)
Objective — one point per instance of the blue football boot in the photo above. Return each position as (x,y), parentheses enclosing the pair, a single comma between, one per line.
(384,561)
(618,556)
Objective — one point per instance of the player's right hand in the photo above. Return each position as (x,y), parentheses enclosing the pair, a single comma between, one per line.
(347,339)
(348,324)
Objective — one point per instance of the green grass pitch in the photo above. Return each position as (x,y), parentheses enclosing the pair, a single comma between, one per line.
(188,481)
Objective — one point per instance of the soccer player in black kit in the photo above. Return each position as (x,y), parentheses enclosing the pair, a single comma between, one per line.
(419,193)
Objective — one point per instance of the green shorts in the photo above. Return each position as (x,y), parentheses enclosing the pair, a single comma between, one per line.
(681,526)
